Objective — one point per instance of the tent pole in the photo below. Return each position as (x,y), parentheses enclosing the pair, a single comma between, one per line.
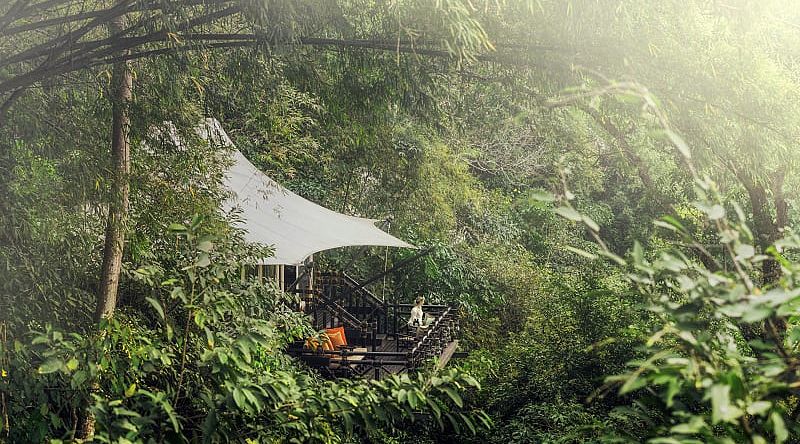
(386,260)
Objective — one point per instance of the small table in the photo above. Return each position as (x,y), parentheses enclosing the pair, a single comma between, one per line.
(349,357)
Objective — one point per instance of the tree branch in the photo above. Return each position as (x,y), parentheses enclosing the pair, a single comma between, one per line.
(116,43)
(630,154)
(97,58)
(51,22)
(43,6)
(8,103)
(12,13)
(92,14)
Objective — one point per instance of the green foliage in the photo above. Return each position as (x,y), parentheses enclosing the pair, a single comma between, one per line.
(721,363)
(541,381)
(720,366)
(460,146)
(201,359)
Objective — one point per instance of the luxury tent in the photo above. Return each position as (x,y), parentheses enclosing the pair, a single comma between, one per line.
(294,226)
(373,336)
(374,339)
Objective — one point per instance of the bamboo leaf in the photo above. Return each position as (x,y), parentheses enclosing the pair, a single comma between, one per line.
(568,213)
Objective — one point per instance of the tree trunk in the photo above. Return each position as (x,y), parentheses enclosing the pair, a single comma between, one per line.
(766,228)
(771,269)
(121,83)
(116,224)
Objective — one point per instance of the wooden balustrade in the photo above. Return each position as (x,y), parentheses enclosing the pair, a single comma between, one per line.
(385,343)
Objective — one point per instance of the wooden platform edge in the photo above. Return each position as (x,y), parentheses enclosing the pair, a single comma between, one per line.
(447,353)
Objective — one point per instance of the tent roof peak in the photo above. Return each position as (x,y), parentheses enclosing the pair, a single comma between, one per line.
(273,215)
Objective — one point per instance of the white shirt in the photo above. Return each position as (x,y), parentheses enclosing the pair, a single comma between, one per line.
(416,318)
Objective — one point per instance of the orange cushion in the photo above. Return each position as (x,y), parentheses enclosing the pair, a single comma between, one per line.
(336,339)
(333,331)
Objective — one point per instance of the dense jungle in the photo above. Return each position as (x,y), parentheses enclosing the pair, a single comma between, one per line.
(601,192)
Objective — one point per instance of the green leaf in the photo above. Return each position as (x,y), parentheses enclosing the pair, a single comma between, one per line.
(252,398)
(130,390)
(178,228)
(673,388)
(756,314)
(583,253)
(714,212)
(203,260)
(41,339)
(468,422)
(50,365)
(721,408)
(239,398)
(663,224)
(157,306)
(78,378)
(197,220)
(637,253)
(674,223)
(454,395)
(569,213)
(72,364)
(779,426)
(744,251)
(205,245)
(412,399)
(469,379)
(679,143)
(794,335)
(632,384)
(695,425)
(590,223)
(453,422)
(613,257)
(402,395)
(759,407)
(437,412)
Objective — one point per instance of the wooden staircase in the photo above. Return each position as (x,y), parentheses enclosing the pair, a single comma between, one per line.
(385,343)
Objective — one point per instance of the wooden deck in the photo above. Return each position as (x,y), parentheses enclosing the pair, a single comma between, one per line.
(390,345)
(340,301)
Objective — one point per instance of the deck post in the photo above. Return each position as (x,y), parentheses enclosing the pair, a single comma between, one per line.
(396,326)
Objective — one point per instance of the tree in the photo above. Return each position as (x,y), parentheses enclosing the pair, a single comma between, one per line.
(67,42)
(121,84)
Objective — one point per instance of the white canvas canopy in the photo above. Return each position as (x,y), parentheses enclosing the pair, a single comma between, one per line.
(295,227)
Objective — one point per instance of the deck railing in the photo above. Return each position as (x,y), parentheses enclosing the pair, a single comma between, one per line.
(412,349)
(357,300)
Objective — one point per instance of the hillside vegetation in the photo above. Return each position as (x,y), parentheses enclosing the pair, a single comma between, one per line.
(607,189)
